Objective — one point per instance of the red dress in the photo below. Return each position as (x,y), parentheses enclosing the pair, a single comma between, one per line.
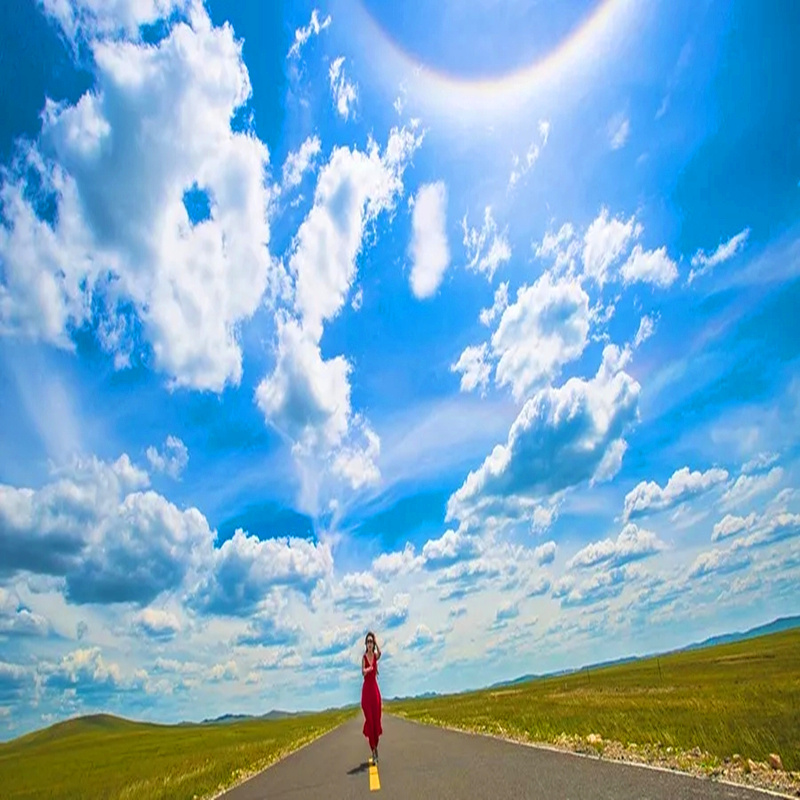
(371,705)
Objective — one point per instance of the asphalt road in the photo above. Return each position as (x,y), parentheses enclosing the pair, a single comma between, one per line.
(427,762)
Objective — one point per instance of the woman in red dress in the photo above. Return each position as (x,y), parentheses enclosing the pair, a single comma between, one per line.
(371,694)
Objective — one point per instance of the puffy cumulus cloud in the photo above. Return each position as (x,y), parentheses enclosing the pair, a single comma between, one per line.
(423,639)
(335,641)
(747,487)
(703,263)
(110,544)
(632,544)
(429,250)
(731,525)
(506,611)
(357,464)
(18,620)
(245,568)
(356,591)
(486,249)
(720,562)
(156,623)
(450,548)
(649,266)
(772,527)
(545,553)
(475,368)
(117,166)
(271,625)
(401,562)
(306,397)
(303,34)
(98,18)
(594,589)
(172,459)
(562,437)
(648,497)
(353,188)
(604,243)
(86,674)
(546,327)
(345,93)
(394,615)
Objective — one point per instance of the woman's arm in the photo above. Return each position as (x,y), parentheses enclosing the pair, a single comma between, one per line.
(364,668)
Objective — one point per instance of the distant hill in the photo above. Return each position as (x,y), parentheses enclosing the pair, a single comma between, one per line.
(776,626)
(274,714)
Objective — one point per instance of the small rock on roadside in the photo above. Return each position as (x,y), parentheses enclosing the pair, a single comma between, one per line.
(775,761)
(594,738)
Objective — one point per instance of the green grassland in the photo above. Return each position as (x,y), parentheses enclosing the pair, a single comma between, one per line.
(740,698)
(107,757)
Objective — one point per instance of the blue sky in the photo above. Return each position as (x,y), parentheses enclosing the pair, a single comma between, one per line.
(474,327)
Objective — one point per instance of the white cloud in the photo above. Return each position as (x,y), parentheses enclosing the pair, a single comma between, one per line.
(604,242)
(402,562)
(561,438)
(122,233)
(544,329)
(619,127)
(300,161)
(648,497)
(302,35)
(761,461)
(545,553)
(746,487)
(307,398)
(96,18)
(157,623)
(239,574)
(487,315)
(486,249)
(520,167)
(563,247)
(632,544)
(345,94)
(172,460)
(651,266)
(724,252)
(473,366)
(429,251)
(731,525)
(647,327)
(17,620)
(721,562)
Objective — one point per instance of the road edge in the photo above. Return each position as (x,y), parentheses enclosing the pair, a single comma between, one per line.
(566,751)
(278,760)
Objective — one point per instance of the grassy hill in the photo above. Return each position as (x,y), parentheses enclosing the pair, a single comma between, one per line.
(103,756)
(738,697)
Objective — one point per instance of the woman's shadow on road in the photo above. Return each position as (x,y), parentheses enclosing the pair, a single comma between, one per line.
(363,767)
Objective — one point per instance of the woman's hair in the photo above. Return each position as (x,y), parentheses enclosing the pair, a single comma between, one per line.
(370,634)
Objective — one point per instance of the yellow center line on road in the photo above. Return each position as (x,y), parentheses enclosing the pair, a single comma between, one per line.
(374,778)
